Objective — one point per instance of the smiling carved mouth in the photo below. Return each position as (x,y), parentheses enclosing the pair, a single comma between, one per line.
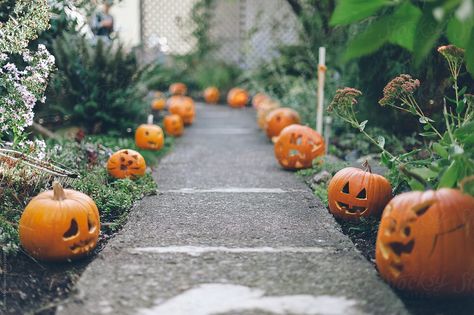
(82,246)
(350,210)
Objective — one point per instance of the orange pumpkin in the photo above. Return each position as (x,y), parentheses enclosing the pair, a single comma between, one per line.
(174,125)
(297,146)
(149,136)
(265,108)
(158,104)
(278,119)
(126,164)
(178,89)
(259,99)
(425,242)
(237,98)
(355,193)
(59,224)
(212,95)
(184,107)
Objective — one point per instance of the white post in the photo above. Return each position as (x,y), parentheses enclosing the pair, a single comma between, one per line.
(327,131)
(321,79)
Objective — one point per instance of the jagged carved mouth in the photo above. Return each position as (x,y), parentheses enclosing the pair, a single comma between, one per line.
(82,246)
(350,210)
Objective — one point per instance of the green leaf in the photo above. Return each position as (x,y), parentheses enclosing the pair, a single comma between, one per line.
(459,32)
(405,21)
(425,172)
(362,125)
(348,11)
(450,176)
(381,141)
(428,31)
(465,130)
(429,134)
(415,185)
(440,150)
(469,54)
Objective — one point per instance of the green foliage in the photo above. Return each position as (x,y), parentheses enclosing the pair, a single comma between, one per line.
(97,85)
(414,25)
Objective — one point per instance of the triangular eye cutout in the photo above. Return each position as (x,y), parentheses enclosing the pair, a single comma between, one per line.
(73,229)
(362,194)
(345,189)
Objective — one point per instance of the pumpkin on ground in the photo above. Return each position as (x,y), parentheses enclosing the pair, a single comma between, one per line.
(174,125)
(237,98)
(158,104)
(178,89)
(149,136)
(297,146)
(355,193)
(278,119)
(212,95)
(265,108)
(259,99)
(59,224)
(182,106)
(126,163)
(425,242)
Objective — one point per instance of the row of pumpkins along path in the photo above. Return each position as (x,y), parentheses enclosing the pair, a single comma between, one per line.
(425,239)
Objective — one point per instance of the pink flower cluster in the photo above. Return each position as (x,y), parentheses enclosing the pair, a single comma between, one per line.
(451,52)
(401,87)
(345,97)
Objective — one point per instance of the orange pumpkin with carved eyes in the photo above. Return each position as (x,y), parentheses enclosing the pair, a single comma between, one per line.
(173,125)
(59,224)
(126,164)
(212,95)
(149,136)
(355,193)
(237,98)
(184,107)
(178,89)
(278,119)
(297,146)
(425,242)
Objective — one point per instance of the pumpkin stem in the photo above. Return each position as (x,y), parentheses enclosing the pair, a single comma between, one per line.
(150,119)
(58,190)
(464,181)
(413,175)
(367,166)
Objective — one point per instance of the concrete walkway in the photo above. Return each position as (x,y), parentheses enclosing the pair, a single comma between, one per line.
(229,233)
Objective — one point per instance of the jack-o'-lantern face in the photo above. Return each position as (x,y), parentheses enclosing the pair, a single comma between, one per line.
(355,193)
(126,164)
(278,119)
(59,225)
(297,146)
(184,107)
(237,98)
(173,125)
(425,242)
(211,95)
(149,137)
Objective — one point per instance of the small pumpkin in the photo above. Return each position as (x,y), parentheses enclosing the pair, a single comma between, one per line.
(184,107)
(355,193)
(425,242)
(149,136)
(212,95)
(237,98)
(59,224)
(174,125)
(158,104)
(259,99)
(278,119)
(265,108)
(297,146)
(178,89)
(126,163)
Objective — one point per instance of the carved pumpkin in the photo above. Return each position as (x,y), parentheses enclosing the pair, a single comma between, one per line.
(297,146)
(212,95)
(149,136)
(59,224)
(174,125)
(178,89)
(425,242)
(259,99)
(126,164)
(182,106)
(237,98)
(355,193)
(278,119)
(265,108)
(158,104)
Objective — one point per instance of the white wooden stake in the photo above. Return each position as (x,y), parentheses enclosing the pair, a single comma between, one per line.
(321,79)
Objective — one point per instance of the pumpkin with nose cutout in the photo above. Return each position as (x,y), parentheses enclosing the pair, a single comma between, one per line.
(297,146)
(280,118)
(149,136)
(425,242)
(126,164)
(237,98)
(59,224)
(355,193)
(264,109)
(173,125)
(259,99)
(212,95)
(184,107)
(178,89)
